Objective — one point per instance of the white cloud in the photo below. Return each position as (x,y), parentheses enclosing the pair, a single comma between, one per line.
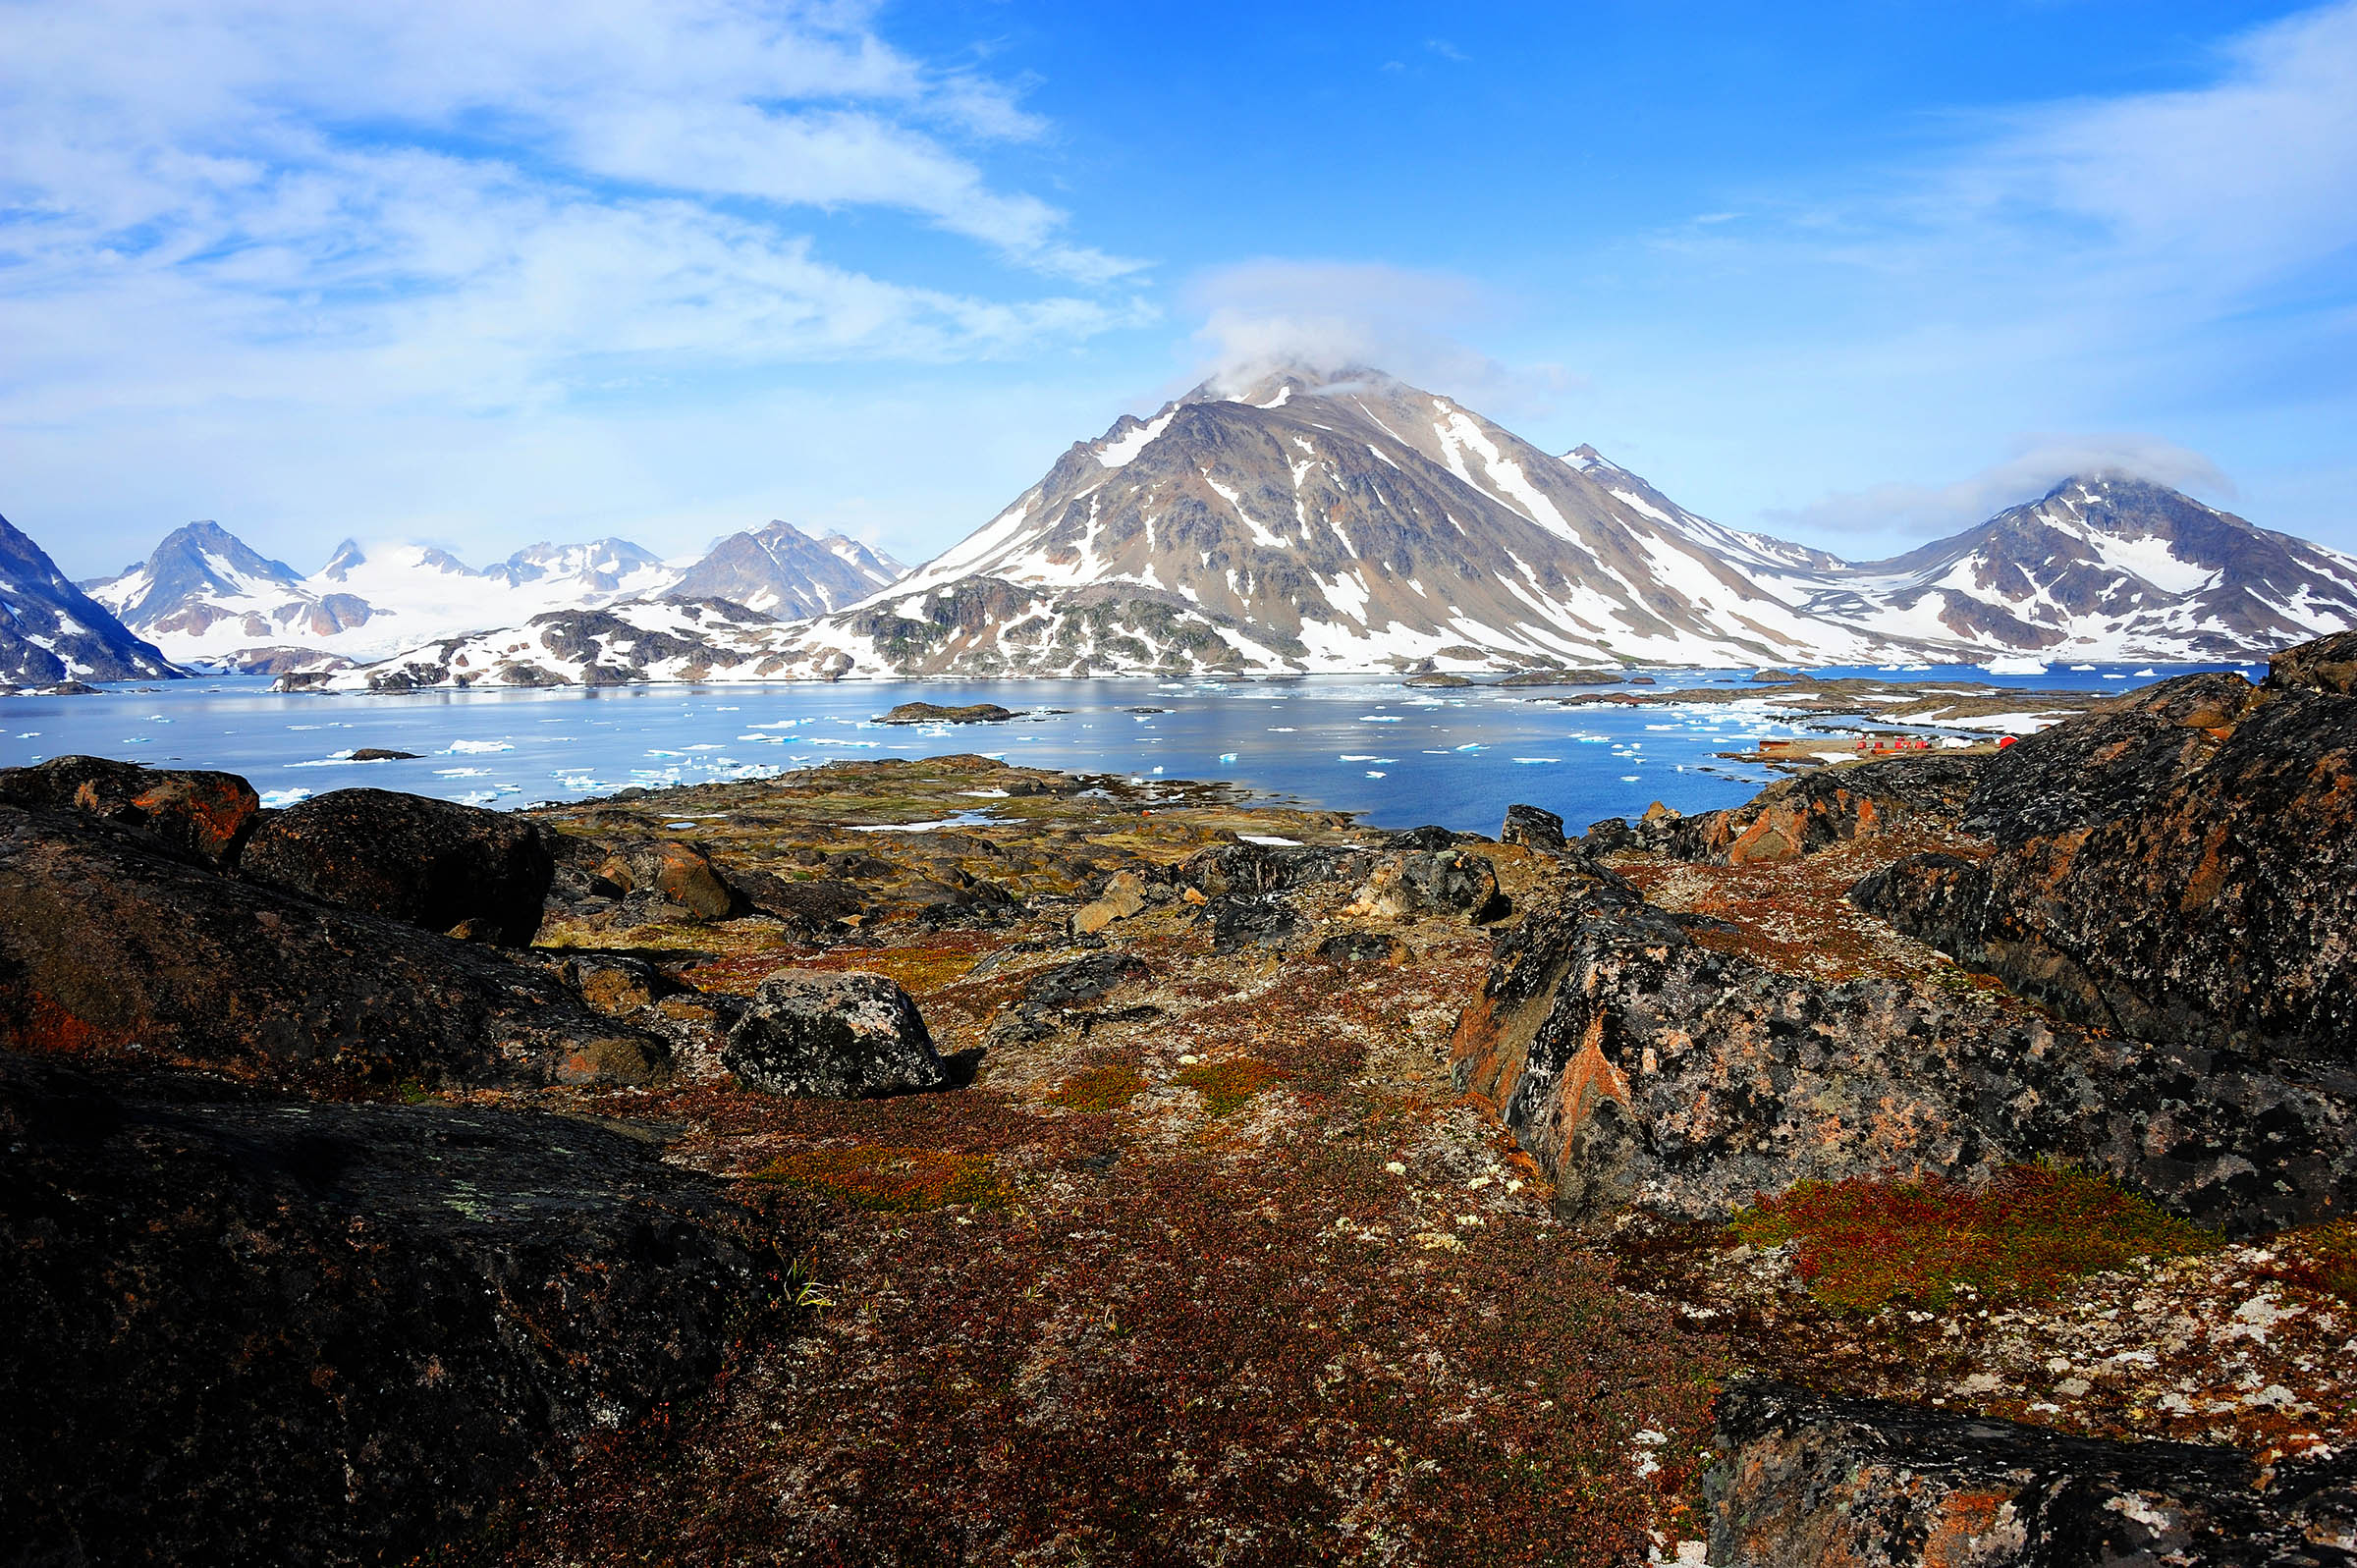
(1270,314)
(1933,510)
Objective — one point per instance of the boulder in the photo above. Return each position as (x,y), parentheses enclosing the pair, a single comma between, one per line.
(2179,867)
(1258,868)
(1435,882)
(1639,1064)
(204,814)
(2329,663)
(680,872)
(1804,1481)
(1533,828)
(428,863)
(1241,920)
(841,1036)
(247,1330)
(819,905)
(1084,979)
(1363,947)
(1125,895)
(112,945)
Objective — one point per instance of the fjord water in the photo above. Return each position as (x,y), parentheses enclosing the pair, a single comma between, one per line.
(1396,755)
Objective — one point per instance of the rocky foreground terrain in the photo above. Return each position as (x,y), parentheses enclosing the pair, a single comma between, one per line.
(1938,1160)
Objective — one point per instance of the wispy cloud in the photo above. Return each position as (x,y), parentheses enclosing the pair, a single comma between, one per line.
(1931,510)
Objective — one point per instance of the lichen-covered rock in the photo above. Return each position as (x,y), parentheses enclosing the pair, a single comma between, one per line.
(111,945)
(1124,895)
(1532,827)
(1251,920)
(1247,869)
(1796,817)
(2182,866)
(257,1330)
(1085,979)
(2329,663)
(1804,1481)
(680,872)
(429,863)
(1363,947)
(1639,1065)
(1432,882)
(843,1036)
(204,814)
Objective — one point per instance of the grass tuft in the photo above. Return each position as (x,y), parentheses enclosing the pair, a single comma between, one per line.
(1227,1087)
(1864,1244)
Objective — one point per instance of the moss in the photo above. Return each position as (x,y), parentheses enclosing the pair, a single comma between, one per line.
(1107,1088)
(1862,1244)
(889,1177)
(1227,1087)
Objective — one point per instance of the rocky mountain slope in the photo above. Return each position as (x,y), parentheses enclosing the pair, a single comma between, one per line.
(50,631)
(782,572)
(2100,566)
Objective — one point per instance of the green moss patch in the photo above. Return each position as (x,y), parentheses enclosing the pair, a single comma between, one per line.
(1863,1244)
(1107,1088)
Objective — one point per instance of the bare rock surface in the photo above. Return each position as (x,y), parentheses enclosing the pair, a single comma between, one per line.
(1807,1481)
(429,863)
(843,1036)
(261,1330)
(1796,817)
(1638,1064)
(2181,867)
(110,946)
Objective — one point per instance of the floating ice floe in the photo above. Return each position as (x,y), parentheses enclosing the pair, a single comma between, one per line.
(277,799)
(468,748)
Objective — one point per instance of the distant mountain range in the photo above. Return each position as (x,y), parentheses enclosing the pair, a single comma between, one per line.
(1303,524)
(204,595)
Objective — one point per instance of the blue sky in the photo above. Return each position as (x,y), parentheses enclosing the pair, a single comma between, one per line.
(1854,273)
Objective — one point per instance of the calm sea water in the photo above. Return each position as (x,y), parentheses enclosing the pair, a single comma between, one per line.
(1396,755)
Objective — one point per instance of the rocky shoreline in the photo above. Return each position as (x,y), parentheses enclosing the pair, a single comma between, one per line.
(1935,1160)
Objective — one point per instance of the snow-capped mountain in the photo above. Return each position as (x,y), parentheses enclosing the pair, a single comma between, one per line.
(2102,567)
(204,595)
(782,572)
(1356,523)
(50,631)
(1348,523)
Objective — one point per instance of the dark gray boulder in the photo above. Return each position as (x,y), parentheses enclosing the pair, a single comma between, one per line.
(111,944)
(429,863)
(842,1036)
(1532,827)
